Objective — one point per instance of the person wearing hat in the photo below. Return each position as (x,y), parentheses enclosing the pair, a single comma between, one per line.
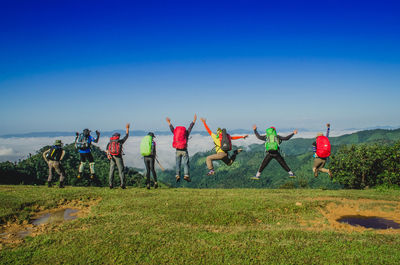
(114,154)
(273,140)
(149,158)
(53,158)
(221,154)
(319,162)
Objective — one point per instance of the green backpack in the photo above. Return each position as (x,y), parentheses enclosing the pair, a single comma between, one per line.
(145,145)
(272,141)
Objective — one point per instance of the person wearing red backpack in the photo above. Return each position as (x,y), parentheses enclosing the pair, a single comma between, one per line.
(114,154)
(180,142)
(223,145)
(322,150)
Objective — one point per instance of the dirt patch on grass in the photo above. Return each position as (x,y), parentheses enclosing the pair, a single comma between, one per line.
(335,208)
(12,234)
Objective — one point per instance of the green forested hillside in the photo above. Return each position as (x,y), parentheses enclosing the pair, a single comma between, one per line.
(298,155)
(34,169)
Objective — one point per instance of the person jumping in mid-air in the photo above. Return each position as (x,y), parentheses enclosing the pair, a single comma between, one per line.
(322,150)
(180,143)
(272,142)
(223,145)
(83,142)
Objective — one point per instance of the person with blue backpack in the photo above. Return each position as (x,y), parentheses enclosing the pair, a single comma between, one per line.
(148,151)
(272,142)
(53,158)
(83,142)
(180,143)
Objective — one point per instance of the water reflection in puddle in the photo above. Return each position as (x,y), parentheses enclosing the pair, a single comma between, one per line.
(48,218)
(369,222)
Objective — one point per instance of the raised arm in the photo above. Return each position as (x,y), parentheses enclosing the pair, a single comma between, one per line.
(328,128)
(128,125)
(285,138)
(191,125)
(97,137)
(262,138)
(171,127)
(205,125)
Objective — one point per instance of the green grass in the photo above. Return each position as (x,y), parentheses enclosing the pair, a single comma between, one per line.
(192,226)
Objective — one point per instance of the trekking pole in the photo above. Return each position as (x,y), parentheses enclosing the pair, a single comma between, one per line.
(159,164)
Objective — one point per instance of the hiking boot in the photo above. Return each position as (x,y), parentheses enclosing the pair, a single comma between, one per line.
(211,172)
(237,151)
(291,175)
(187,178)
(92,176)
(155,185)
(148,186)
(61,185)
(178,178)
(79,176)
(111,186)
(49,184)
(255,178)
(123,187)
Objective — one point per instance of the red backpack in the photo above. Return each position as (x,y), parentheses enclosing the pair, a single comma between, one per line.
(323,147)
(114,147)
(180,138)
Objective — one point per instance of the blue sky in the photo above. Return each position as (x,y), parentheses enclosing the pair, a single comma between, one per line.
(67,65)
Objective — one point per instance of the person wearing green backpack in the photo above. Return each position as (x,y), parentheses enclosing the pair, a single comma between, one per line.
(272,142)
(148,151)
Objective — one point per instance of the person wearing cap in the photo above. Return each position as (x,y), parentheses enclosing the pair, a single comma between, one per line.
(221,154)
(273,154)
(83,142)
(117,158)
(149,161)
(53,158)
(319,162)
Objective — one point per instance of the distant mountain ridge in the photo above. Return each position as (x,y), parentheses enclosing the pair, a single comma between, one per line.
(203,132)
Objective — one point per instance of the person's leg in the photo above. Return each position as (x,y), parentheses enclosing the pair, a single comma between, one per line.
(283,164)
(178,157)
(186,166)
(111,174)
(58,168)
(153,169)
(82,164)
(317,165)
(91,164)
(147,164)
(50,164)
(120,165)
(263,165)
(217,156)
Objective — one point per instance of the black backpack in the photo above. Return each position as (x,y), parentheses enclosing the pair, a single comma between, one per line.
(54,153)
(226,143)
(82,142)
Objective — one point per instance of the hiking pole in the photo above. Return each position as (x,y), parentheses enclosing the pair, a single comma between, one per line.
(158,162)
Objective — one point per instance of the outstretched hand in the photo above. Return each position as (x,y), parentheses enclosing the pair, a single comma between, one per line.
(328,125)
(168,120)
(194,118)
(77,134)
(295,131)
(244,137)
(254,127)
(128,125)
(203,120)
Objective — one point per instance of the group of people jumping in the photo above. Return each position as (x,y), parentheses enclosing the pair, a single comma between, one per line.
(222,141)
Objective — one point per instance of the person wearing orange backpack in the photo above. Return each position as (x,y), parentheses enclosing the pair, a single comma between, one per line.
(180,142)
(322,150)
(114,154)
(223,145)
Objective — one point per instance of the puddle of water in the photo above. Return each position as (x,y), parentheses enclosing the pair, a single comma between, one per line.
(56,217)
(48,218)
(369,222)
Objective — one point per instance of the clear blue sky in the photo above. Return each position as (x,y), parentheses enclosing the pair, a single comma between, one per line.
(66,65)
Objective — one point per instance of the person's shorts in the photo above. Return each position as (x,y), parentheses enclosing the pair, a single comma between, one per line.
(86,157)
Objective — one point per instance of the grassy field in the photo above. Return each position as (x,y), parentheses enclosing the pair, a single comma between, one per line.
(198,226)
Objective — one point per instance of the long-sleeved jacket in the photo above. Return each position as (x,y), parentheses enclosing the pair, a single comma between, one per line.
(216,139)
